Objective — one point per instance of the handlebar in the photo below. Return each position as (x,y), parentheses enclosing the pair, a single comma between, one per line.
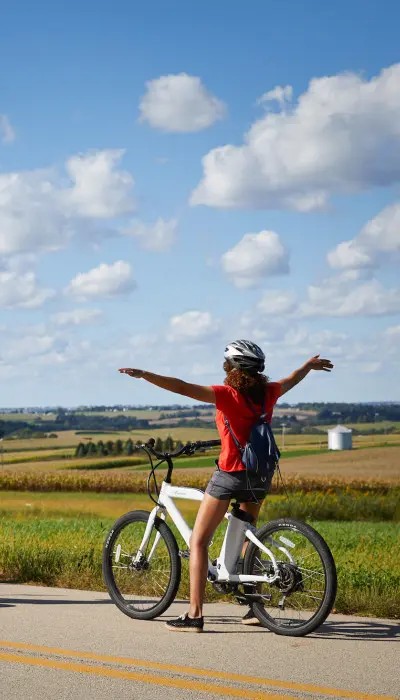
(188,449)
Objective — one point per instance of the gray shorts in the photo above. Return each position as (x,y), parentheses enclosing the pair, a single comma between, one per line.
(237,485)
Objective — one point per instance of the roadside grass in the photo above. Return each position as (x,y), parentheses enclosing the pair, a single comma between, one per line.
(25,504)
(66,551)
(340,504)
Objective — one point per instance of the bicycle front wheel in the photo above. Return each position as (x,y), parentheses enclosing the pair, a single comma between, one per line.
(141,588)
(302,597)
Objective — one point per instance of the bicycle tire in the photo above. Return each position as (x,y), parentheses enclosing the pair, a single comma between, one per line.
(175,576)
(328,563)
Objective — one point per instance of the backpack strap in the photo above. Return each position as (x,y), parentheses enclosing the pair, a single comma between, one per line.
(253,410)
(234,438)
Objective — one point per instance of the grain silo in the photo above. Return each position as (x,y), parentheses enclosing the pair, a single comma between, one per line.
(340,438)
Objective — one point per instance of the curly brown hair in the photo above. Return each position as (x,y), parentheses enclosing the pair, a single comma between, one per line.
(252,385)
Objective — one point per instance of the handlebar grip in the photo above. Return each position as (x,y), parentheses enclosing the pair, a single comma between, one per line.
(209,443)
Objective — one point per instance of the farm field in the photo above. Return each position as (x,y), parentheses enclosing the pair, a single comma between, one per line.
(374,457)
(377,463)
(367,427)
(70,438)
(141,415)
(382,463)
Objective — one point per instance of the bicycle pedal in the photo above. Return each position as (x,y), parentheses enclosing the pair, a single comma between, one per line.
(184,553)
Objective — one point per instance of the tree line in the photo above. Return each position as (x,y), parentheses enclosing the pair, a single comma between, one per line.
(123,447)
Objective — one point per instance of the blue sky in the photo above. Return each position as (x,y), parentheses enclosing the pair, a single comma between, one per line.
(175,175)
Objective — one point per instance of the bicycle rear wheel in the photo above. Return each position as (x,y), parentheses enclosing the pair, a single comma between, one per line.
(141,589)
(303,596)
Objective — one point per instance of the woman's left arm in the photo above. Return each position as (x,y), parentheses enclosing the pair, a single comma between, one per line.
(177,386)
(299,374)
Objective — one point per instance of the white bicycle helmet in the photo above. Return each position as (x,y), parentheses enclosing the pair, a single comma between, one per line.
(243,354)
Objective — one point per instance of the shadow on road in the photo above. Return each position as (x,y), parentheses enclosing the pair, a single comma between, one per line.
(363,630)
(36,600)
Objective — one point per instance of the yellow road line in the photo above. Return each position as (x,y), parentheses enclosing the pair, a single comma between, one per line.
(208,673)
(144,678)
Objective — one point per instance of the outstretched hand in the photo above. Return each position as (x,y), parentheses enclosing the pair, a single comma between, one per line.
(134,373)
(320,364)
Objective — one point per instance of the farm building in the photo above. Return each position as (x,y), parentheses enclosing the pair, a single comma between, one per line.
(340,438)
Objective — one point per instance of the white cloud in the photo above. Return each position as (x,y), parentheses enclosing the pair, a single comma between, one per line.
(77,317)
(157,237)
(282,95)
(29,346)
(348,254)
(339,297)
(41,211)
(31,215)
(379,237)
(192,326)
(42,351)
(257,255)
(105,281)
(275,302)
(21,290)
(369,367)
(99,190)
(180,103)
(7,131)
(341,137)
(393,332)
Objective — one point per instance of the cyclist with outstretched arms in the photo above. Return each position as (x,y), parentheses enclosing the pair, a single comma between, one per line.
(246,391)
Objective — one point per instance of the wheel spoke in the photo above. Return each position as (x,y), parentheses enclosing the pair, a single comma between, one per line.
(301,585)
(135,580)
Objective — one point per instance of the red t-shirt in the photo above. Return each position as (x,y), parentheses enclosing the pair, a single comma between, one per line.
(231,404)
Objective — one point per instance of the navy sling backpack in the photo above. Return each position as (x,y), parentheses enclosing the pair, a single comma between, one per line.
(260,454)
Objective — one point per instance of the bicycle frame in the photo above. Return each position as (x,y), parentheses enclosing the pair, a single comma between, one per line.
(225,568)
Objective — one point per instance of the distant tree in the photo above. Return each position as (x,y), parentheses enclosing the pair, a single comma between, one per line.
(129,447)
(159,445)
(119,447)
(80,450)
(110,447)
(101,448)
(168,444)
(91,449)
(178,445)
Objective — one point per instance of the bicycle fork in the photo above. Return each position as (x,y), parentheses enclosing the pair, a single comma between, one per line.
(147,534)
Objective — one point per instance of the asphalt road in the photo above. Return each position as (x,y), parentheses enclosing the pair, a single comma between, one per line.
(59,644)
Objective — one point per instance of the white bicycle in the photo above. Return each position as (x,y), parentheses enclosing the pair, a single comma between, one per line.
(288,574)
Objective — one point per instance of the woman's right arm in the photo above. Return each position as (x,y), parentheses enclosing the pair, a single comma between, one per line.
(177,386)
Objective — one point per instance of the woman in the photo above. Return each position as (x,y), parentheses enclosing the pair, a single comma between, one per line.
(246,392)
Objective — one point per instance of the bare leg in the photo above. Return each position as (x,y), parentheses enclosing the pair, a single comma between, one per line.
(211,513)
